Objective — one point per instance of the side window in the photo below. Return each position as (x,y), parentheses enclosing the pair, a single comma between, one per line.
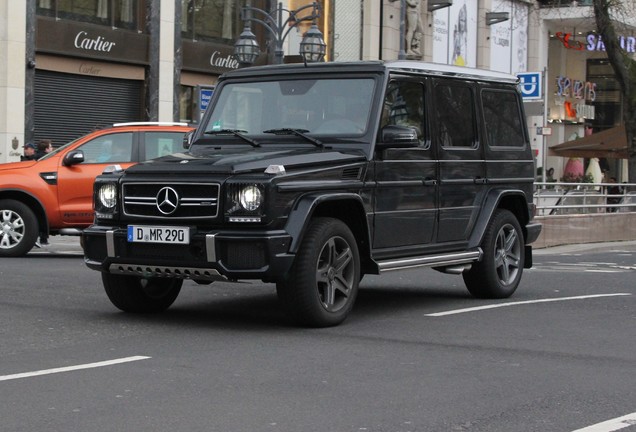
(502,117)
(116,147)
(455,116)
(161,144)
(404,106)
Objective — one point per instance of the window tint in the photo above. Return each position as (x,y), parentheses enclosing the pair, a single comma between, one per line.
(162,143)
(109,148)
(502,118)
(404,106)
(455,116)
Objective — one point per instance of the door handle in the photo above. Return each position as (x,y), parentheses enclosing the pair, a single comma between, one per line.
(480,180)
(429,182)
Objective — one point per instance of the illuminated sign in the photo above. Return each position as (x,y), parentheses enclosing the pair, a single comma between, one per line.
(595,42)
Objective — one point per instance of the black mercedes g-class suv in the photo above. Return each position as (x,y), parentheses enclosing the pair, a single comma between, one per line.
(311,175)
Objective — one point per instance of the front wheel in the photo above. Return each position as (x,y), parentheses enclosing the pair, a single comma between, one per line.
(18,228)
(136,294)
(498,274)
(323,283)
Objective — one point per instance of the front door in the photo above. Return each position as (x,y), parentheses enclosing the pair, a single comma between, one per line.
(406,178)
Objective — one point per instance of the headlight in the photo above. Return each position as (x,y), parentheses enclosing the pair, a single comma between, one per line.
(250,198)
(107,195)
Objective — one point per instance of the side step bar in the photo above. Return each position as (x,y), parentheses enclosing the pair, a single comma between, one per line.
(449,259)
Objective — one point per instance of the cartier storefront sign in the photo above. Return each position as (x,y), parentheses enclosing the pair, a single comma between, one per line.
(208,57)
(87,40)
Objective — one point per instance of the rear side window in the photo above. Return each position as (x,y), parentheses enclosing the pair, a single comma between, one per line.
(502,118)
(455,116)
(162,144)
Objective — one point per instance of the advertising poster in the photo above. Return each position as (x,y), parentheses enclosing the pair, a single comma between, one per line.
(455,34)
(509,39)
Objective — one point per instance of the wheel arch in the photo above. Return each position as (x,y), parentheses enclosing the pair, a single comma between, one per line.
(32,202)
(347,207)
(513,200)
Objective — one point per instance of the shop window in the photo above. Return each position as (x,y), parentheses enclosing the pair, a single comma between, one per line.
(186,104)
(113,13)
(502,118)
(210,19)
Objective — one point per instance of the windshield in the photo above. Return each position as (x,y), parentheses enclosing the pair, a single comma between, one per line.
(315,106)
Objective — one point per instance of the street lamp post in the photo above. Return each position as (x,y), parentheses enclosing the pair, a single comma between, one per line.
(312,46)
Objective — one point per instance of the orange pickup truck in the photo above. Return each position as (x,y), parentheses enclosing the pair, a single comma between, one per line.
(54,195)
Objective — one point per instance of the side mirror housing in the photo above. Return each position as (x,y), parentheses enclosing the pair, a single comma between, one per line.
(73,158)
(398,136)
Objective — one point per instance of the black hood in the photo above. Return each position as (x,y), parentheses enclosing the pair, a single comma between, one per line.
(238,159)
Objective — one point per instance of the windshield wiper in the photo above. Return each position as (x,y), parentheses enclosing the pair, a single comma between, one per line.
(236,132)
(298,132)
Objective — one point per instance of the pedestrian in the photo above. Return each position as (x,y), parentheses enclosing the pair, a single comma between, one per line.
(29,152)
(45,146)
(613,195)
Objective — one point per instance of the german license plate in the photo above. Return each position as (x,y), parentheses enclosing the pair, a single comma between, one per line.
(158,234)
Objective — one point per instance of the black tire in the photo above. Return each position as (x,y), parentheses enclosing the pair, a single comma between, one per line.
(498,274)
(323,284)
(139,295)
(18,228)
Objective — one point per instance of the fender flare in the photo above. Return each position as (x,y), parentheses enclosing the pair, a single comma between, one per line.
(305,208)
(491,203)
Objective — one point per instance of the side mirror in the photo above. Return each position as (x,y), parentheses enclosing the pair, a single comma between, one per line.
(399,136)
(73,158)
(187,139)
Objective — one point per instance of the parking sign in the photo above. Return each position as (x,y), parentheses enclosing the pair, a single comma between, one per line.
(530,85)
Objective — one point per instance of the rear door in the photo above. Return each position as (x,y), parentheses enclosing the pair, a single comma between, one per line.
(462,166)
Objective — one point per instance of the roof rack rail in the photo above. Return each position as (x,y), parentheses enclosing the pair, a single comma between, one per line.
(150,124)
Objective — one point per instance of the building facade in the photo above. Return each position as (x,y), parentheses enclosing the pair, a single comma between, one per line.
(69,67)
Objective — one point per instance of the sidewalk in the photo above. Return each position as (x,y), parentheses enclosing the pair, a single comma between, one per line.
(60,245)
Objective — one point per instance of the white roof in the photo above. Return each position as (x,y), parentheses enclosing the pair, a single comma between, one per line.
(450,70)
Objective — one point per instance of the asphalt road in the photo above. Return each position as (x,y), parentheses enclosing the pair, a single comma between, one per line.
(557,356)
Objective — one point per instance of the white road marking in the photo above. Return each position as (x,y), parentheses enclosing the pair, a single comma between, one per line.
(499,305)
(611,425)
(72,368)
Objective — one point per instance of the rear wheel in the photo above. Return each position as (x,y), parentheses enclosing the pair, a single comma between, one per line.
(498,274)
(323,283)
(18,228)
(136,294)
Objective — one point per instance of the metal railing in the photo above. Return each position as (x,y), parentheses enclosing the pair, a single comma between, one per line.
(559,198)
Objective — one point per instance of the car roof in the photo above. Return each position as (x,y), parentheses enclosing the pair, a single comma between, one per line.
(405,66)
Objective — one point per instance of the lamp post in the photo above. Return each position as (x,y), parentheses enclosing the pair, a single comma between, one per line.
(312,46)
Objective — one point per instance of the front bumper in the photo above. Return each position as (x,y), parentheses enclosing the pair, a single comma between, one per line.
(210,255)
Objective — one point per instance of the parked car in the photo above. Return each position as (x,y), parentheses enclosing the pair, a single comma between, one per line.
(54,195)
(312,175)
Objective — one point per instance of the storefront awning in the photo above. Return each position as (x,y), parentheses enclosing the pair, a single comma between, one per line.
(610,143)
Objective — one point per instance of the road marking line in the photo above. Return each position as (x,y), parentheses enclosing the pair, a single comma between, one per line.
(499,305)
(611,425)
(72,368)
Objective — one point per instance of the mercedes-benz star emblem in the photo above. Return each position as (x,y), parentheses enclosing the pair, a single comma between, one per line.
(167,200)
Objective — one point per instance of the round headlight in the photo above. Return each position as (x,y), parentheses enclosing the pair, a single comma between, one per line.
(108,195)
(250,198)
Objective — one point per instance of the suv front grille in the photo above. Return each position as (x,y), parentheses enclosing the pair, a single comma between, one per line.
(171,200)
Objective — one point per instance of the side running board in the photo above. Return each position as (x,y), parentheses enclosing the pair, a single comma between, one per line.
(431,260)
